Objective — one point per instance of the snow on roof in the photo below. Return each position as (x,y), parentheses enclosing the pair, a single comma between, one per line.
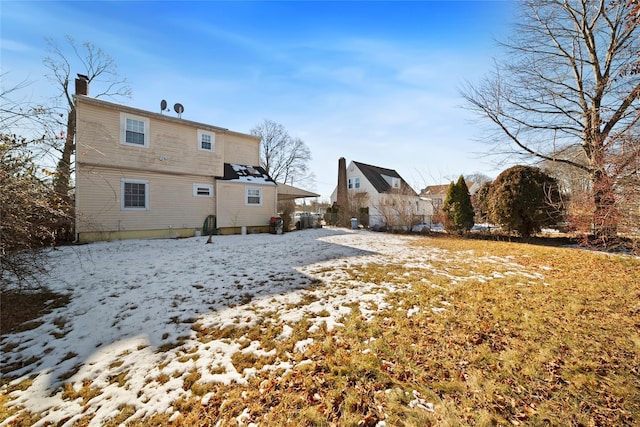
(246,174)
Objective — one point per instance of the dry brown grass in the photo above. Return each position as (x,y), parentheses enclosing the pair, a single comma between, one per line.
(511,351)
(562,348)
(19,308)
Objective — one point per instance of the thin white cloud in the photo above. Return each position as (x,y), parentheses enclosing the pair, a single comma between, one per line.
(15,46)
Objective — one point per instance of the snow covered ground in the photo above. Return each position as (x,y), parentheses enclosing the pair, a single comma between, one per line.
(131,300)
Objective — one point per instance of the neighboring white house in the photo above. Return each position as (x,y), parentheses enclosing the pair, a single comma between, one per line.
(435,195)
(438,193)
(381,197)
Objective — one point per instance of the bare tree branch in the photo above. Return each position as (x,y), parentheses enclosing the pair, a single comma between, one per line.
(566,83)
(99,67)
(283,157)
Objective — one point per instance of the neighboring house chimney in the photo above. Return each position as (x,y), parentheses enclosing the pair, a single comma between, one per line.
(342,198)
(82,85)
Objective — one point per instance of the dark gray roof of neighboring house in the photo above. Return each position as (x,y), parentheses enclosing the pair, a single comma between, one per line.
(246,174)
(374,175)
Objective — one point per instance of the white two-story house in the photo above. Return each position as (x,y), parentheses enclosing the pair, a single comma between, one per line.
(380,197)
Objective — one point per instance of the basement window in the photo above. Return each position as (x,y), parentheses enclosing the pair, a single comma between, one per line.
(202,190)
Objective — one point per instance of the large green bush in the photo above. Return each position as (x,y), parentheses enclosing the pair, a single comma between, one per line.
(524,199)
(457,207)
(481,202)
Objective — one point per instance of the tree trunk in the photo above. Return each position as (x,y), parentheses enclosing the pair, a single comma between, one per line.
(605,217)
(62,181)
(62,184)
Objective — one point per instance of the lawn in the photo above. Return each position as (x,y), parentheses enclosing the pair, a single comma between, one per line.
(329,327)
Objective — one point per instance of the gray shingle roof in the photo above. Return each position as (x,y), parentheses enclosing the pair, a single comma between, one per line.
(375,175)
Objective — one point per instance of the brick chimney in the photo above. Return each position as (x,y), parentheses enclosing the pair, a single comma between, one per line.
(342,197)
(82,85)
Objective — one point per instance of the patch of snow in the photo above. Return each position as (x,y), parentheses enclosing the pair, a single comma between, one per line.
(302,345)
(206,398)
(419,402)
(414,310)
(287,331)
(245,416)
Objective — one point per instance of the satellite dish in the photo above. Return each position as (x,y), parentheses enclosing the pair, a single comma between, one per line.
(178,108)
(163,105)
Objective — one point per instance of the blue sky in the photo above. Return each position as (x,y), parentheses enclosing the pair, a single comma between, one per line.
(375,82)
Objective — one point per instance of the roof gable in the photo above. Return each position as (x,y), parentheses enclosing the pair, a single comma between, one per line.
(381,178)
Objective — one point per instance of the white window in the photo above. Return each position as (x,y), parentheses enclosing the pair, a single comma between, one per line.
(202,190)
(134,194)
(206,140)
(134,130)
(254,196)
(354,183)
(395,182)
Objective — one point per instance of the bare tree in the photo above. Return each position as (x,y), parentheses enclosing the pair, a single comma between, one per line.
(284,157)
(478,178)
(398,208)
(30,212)
(567,84)
(96,66)
(21,115)
(14,112)
(575,188)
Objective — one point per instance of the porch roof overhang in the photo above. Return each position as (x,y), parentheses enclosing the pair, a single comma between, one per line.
(289,192)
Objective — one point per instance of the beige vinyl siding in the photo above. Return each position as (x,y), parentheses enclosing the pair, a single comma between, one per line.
(233,211)
(171,163)
(173,144)
(241,150)
(171,201)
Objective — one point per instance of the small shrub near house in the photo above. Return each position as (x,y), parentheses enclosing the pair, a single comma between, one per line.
(286,210)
